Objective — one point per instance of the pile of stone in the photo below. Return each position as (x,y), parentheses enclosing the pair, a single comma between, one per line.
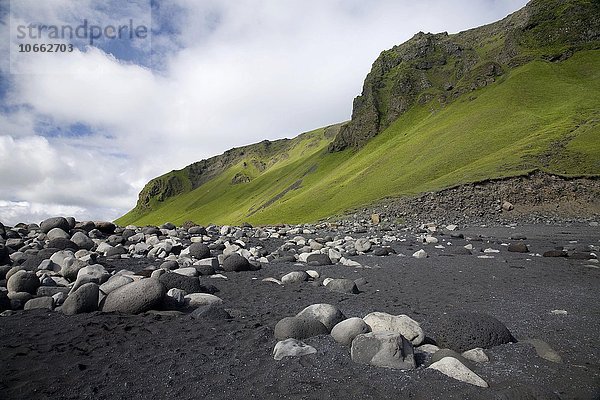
(396,341)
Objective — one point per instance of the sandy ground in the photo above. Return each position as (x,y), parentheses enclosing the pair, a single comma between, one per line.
(46,354)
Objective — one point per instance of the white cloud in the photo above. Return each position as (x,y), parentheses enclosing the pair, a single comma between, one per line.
(233,73)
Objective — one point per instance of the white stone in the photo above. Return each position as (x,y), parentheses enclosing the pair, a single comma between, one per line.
(453,368)
(428,348)
(291,348)
(202,299)
(402,324)
(187,271)
(420,254)
(476,355)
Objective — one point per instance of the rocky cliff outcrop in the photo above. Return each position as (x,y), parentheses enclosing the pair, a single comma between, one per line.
(442,67)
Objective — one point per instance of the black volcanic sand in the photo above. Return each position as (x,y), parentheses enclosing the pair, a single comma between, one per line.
(108,356)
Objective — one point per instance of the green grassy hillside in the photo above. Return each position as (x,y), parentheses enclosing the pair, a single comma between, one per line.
(542,115)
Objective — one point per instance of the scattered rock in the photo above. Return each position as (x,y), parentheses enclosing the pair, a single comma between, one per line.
(299,328)
(342,286)
(453,368)
(295,277)
(236,263)
(84,299)
(476,355)
(420,254)
(55,222)
(45,302)
(518,248)
(196,300)
(135,297)
(442,353)
(345,331)
(199,251)
(327,314)
(292,348)
(189,284)
(383,349)
(544,350)
(23,281)
(402,324)
(363,245)
(318,259)
(462,331)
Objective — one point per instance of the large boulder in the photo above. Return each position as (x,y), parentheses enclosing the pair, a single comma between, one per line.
(190,284)
(345,331)
(402,324)
(318,259)
(62,244)
(383,349)
(135,297)
(93,273)
(295,277)
(453,368)
(23,281)
(236,263)
(82,240)
(299,328)
(327,314)
(462,331)
(195,300)
(346,286)
(4,255)
(55,222)
(292,348)
(84,299)
(115,282)
(57,233)
(45,302)
(199,251)
(4,301)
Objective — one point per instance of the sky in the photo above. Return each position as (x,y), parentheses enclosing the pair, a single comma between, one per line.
(82,131)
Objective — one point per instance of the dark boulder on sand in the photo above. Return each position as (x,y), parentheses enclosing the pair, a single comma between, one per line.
(299,328)
(462,331)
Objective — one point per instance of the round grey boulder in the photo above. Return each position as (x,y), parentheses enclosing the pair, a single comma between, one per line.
(45,302)
(23,281)
(345,331)
(57,233)
(299,328)
(4,255)
(83,241)
(318,259)
(84,299)
(115,282)
(55,222)
(93,273)
(135,297)
(189,284)
(236,263)
(342,286)
(383,349)
(441,353)
(295,277)
(462,331)
(199,251)
(363,245)
(327,314)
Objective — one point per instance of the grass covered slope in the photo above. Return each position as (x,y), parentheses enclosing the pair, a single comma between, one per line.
(542,115)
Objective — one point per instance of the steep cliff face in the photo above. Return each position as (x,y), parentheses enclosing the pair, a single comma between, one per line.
(252,160)
(443,67)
